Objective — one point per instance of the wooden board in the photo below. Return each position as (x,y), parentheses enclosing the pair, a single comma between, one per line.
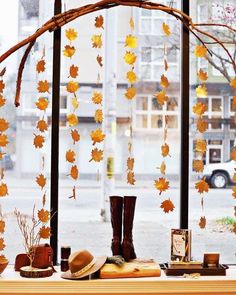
(134,269)
(28,272)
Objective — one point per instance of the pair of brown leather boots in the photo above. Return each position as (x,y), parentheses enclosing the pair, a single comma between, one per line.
(122,209)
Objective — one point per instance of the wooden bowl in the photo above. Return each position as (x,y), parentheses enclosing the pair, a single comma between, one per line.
(3,265)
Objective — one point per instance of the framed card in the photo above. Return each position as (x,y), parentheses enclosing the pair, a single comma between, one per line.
(181,244)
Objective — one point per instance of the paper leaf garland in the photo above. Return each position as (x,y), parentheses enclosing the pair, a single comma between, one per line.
(167,206)
(97,155)
(2,245)
(73,71)
(42,126)
(202,125)
(99,21)
(130,178)
(130,57)
(201,91)
(3,190)
(99,60)
(97,41)
(4,125)
(69,51)
(198,165)
(199,108)
(130,93)
(200,51)
(233,83)
(166,29)
(131,41)
(38,141)
(97,136)
(161,184)
(2,86)
(3,140)
(97,97)
(72,86)
(40,67)
(74,172)
(2,101)
(131,77)
(72,119)
(202,186)
(44,215)
(70,156)
(165,150)
(202,75)
(75,135)
(202,222)
(42,103)
(41,180)
(45,232)
(43,86)
(161,97)
(71,34)
(2,226)
(98,116)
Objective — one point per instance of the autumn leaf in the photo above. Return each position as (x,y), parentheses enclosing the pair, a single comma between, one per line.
(42,125)
(234,176)
(130,178)
(201,91)
(2,72)
(1,155)
(99,60)
(2,245)
(162,168)
(164,81)
(130,57)
(97,97)
(234,227)
(45,232)
(74,172)
(72,86)
(41,180)
(233,83)
(198,165)
(3,140)
(199,108)
(202,186)
(130,163)
(166,29)
(2,86)
(234,102)
(43,215)
(2,101)
(3,259)
(131,77)
(97,136)
(38,141)
(202,125)
(72,119)
(131,41)
(161,184)
(202,222)
(165,150)
(203,76)
(200,51)
(4,125)
(73,71)
(97,41)
(43,86)
(131,23)
(234,192)
(233,154)
(98,116)
(70,156)
(161,97)
(130,93)
(71,34)
(75,135)
(40,67)
(99,21)
(97,155)
(42,103)
(167,206)
(2,226)
(3,190)
(166,65)
(69,51)
(201,146)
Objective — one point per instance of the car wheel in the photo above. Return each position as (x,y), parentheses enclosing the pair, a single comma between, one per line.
(219,180)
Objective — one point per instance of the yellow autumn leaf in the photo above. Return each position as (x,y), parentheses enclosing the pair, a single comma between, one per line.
(131,77)
(97,136)
(130,57)
(3,189)
(199,108)
(75,135)
(131,23)
(72,86)
(233,83)
(98,116)
(201,91)
(165,150)
(97,97)
(97,41)
(4,125)
(161,97)
(74,172)
(45,232)
(42,125)
(164,81)
(70,156)
(99,21)
(202,186)
(72,119)
(131,41)
(2,101)
(200,51)
(96,155)
(130,163)
(69,51)
(40,67)
(42,103)
(162,168)
(75,103)
(202,125)
(166,29)
(41,180)
(43,86)
(161,184)
(38,141)
(198,165)
(130,178)
(43,215)
(202,75)
(71,34)
(130,93)
(201,146)
(3,140)
(167,206)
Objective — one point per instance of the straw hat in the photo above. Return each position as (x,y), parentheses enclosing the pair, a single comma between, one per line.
(81,264)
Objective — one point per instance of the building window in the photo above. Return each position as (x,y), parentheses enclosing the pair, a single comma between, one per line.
(232,116)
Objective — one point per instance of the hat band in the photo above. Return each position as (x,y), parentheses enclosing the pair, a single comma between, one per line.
(84,269)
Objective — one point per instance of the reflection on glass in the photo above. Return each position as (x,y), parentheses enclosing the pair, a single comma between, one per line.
(146,54)
(141,121)
(172,121)
(142,103)
(172,104)
(155,105)
(146,12)
(216,122)
(146,26)
(157,121)
(146,72)
(216,105)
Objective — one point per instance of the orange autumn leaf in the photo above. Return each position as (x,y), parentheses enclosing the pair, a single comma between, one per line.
(130,93)
(38,141)
(130,178)
(2,101)
(96,155)
(3,190)
(201,146)
(198,165)
(96,41)
(131,77)
(131,41)
(75,135)
(166,65)
(2,86)
(167,206)
(199,108)
(234,192)
(4,125)
(161,184)
(41,180)
(43,86)
(3,140)
(161,97)
(130,57)
(73,71)
(234,102)
(74,172)
(70,156)
(202,222)
(43,215)
(234,227)
(97,97)
(42,125)
(166,29)
(233,154)
(165,150)
(3,259)
(72,119)
(202,75)
(69,51)
(233,83)
(201,91)
(2,245)
(71,34)
(98,116)
(99,20)
(2,226)
(42,103)
(40,67)
(97,136)
(202,186)
(234,176)
(202,125)
(72,86)
(130,163)
(45,232)
(200,51)
(99,60)
(164,81)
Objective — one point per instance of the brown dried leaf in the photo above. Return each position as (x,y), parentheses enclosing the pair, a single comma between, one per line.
(99,20)
(130,178)
(45,232)
(130,163)
(202,222)
(40,67)
(202,186)
(73,71)
(167,206)
(2,226)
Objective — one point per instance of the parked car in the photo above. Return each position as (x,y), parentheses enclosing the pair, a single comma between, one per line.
(219,175)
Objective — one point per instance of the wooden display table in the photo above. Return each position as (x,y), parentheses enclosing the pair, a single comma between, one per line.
(12,283)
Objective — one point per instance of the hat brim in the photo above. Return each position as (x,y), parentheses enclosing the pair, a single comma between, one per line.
(100,261)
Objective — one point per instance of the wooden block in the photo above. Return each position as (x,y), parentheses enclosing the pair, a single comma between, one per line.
(134,269)
(28,272)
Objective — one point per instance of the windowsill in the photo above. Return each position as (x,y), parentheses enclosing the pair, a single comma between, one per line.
(12,283)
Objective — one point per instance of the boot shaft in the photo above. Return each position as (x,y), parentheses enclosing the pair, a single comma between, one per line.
(129,209)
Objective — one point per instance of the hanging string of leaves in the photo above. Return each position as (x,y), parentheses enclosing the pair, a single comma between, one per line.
(162,184)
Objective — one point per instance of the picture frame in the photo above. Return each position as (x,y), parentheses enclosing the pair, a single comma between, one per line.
(181,242)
